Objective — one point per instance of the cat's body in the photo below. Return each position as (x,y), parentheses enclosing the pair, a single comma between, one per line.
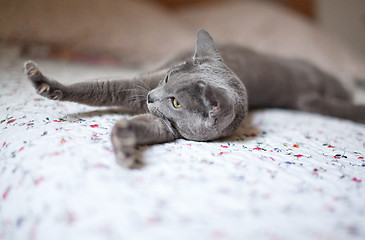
(274,81)
(204,97)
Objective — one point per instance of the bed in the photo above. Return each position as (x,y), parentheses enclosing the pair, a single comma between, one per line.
(283,175)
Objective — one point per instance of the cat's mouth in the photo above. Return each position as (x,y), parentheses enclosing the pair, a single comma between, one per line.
(156,112)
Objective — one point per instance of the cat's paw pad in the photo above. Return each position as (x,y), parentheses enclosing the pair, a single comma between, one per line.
(31,69)
(124,143)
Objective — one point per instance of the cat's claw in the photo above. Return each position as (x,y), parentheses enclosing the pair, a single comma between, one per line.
(43,88)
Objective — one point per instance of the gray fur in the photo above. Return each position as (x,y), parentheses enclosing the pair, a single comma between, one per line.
(212,89)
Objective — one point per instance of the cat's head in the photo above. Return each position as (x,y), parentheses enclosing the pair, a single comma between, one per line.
(201,98)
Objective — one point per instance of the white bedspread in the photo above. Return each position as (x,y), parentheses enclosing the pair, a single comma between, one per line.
(283,175)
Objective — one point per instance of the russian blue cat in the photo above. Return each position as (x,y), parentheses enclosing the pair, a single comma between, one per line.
(203,95)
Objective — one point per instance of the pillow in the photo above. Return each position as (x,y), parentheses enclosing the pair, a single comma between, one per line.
(130,31)
(273,29)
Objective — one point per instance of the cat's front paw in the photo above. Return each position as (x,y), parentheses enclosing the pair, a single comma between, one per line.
(40,82)
(31,69)
(124,144)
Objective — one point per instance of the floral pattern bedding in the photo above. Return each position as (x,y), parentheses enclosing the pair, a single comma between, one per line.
(283,175)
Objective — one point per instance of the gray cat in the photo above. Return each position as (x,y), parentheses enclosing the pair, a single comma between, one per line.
(203,97)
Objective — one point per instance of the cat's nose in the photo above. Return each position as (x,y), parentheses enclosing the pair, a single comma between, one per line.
(150,99)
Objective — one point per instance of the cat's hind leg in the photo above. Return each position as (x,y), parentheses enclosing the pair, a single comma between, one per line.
(128,134)
(332,107)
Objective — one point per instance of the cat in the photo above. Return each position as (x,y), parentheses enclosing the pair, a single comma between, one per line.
(203,95)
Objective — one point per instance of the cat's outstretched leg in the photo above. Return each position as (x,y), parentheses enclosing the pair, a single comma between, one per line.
(128,93)
(145,129)
(332,107)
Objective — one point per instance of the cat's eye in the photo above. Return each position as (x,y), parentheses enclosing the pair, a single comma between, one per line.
(166,78)
(175,103)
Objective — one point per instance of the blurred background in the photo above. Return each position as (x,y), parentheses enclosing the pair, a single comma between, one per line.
(330,33)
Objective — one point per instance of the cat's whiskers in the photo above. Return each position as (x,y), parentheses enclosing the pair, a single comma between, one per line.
(144,83)
(126,90)
(144,89)
(140,98)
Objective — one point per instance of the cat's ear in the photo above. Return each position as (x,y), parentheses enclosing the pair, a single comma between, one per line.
(217,100)
(204,47)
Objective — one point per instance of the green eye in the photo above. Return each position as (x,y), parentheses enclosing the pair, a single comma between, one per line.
(166,78)
(176,103)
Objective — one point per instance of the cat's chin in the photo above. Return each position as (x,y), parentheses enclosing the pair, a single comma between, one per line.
(154,111)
